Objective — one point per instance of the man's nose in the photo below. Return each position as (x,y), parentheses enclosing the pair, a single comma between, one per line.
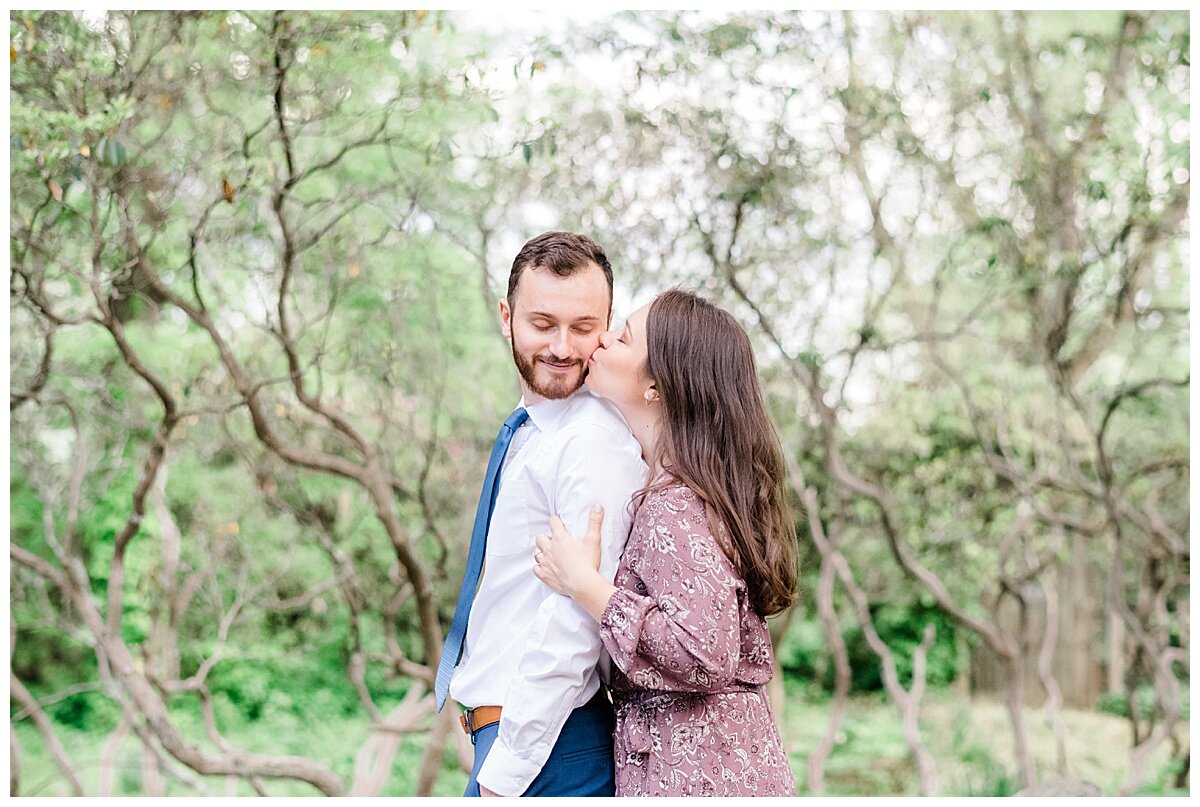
(560,345)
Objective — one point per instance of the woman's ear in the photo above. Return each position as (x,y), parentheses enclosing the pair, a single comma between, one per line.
(651,394)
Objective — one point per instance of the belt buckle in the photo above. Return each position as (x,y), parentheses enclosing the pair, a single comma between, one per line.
(467,719)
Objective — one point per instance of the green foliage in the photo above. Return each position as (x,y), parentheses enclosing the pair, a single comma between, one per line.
(312,687)
(1117,703)
(804,650)
(1165,781)
(901,629)
(994,780)
(24,512)
(90,712)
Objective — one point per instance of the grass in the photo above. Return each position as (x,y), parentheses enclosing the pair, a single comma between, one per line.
(970,740)
(333,740)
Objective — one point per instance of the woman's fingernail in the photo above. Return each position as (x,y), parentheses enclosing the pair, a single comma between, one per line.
(596,508)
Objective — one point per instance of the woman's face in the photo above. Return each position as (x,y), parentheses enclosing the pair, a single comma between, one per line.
(615,370)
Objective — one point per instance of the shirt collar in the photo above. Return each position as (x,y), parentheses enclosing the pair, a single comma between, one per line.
(548,415)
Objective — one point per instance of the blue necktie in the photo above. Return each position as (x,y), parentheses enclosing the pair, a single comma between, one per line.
(452,649)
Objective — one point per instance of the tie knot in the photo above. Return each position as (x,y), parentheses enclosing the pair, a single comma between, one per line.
(517,418)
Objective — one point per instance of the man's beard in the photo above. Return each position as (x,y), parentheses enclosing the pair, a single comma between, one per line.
(559,387)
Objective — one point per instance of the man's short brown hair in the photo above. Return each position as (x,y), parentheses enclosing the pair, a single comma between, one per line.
(564,254)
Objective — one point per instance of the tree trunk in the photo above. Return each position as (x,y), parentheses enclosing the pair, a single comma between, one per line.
(162,654)
(435,749)
(1078,629)
(1168,699)
(778,628)
(776,699)
(108,757)
(152,780)
(1026,770)
(14,762)
(926,772)
(841,662)
(373,763)
(1116,653)
(22,696)
(1054,697)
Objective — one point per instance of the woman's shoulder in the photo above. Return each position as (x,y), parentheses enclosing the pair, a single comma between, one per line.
(671,505)
(671,494)
(673,521)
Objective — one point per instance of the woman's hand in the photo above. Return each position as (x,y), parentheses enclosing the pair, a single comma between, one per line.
(568,565)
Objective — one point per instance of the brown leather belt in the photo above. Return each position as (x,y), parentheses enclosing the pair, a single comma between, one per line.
(478,718)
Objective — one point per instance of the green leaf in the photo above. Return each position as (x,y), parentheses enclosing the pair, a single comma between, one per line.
(111,151)
(810,359)
(986,225)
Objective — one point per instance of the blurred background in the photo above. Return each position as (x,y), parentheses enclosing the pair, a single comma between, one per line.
(256,370)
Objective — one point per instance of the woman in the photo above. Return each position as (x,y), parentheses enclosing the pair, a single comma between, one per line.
(711,553)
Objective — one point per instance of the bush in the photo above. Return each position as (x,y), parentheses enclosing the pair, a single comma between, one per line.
(804,651)
(1116,703)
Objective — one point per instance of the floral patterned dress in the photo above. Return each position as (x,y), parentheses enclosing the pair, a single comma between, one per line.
(690,661)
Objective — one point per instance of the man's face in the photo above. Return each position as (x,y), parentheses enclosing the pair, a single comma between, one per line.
(555,323)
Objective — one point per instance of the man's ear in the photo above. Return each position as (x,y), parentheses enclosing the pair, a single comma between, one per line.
(505,319)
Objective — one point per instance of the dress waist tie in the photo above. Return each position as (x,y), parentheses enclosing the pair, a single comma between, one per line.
(641,735)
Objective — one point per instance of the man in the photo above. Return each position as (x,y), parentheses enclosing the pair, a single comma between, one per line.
(538,717)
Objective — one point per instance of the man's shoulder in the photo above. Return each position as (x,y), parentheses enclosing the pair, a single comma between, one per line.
(593,444)
(588,412)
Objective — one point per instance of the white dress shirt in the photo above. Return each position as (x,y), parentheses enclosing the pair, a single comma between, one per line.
(527,649)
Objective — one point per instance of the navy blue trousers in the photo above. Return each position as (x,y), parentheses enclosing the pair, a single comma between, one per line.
(581,762)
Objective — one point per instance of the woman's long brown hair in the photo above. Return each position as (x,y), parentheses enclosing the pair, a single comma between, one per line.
(717,438)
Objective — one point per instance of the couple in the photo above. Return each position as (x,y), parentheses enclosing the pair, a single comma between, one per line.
(670,438)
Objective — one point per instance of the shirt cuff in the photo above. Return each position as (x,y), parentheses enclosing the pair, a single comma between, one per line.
(505,773)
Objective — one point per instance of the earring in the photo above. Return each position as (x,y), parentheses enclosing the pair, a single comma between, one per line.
(651,395)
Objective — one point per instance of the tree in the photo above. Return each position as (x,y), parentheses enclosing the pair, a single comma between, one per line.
(253,384)
(960,239)
(225,214)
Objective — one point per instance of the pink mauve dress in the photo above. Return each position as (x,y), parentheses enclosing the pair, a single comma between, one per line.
(690,661)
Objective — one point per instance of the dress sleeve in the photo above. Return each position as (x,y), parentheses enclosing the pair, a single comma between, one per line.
(682,633)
